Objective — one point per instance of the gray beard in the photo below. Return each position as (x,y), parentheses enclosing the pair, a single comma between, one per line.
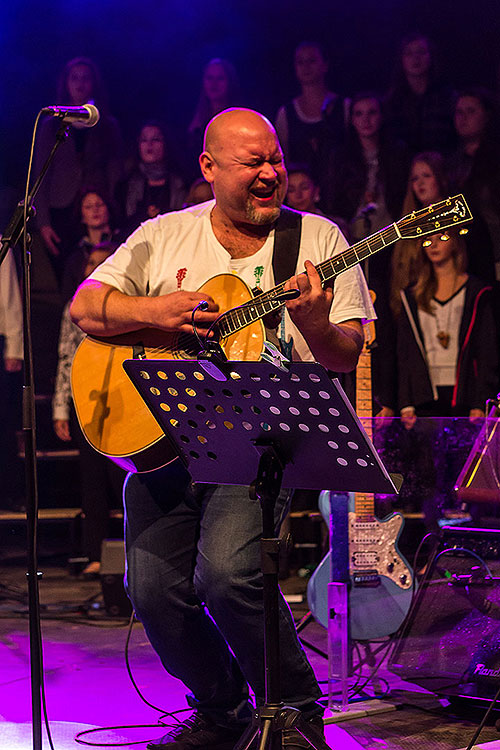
(256,217)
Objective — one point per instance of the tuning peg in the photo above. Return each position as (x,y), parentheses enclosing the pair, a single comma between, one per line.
(426,243)
(464,230)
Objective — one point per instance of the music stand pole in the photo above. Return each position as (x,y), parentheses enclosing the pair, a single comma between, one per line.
(304,433)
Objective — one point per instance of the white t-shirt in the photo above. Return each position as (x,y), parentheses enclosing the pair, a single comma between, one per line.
(447,317)
(179,250)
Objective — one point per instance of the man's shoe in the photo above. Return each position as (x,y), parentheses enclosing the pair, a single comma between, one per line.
(293,740)
(198,731)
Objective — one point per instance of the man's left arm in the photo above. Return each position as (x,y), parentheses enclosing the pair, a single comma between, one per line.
(335,346)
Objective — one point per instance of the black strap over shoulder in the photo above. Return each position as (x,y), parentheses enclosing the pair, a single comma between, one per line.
(286,244)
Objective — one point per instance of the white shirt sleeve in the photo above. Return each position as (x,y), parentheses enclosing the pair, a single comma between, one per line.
(11,314)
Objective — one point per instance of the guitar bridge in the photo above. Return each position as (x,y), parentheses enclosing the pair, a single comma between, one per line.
(138,351)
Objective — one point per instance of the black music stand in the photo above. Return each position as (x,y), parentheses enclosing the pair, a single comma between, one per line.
(259,425)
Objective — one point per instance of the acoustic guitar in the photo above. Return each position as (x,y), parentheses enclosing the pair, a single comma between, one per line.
(112,415)
(364,549)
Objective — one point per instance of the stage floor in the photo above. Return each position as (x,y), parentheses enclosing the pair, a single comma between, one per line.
(87,685)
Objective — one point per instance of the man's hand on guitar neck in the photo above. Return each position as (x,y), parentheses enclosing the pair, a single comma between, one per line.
(102,310)
(336,347)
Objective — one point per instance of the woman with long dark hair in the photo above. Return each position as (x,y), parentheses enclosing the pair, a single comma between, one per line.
(418,107)
(154,185)
(220,89)
(88,155)
(447,354)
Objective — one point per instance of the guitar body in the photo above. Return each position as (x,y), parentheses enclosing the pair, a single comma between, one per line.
(366,555)
(114,418)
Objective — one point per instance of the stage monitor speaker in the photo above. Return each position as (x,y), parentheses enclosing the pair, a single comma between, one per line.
(112,574)
(450,641)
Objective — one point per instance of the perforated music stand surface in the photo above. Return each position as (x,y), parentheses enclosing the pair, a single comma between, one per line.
(217,427)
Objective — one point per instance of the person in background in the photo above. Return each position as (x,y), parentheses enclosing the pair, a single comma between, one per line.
(100,479)
(220,89)
(446,338)
(474,169)
(87,156)
(313,123)
(199,192)
(154,185)
(427,184)
(418,107)
(11,362)
(367,176)
(95,214)
(303,191)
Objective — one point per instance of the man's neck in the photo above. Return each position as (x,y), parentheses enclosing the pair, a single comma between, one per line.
(471,145)
(369,144)
(418,84)
(95,234)
(240,239)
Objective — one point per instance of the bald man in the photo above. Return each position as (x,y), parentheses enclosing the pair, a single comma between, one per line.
(193,548)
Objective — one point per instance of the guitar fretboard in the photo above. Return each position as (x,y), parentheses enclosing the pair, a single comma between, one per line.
(239,317)
(364,502)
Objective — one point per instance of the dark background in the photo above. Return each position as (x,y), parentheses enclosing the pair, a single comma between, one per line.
(151,53)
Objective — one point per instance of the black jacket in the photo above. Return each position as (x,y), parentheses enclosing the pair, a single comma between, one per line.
(477,365)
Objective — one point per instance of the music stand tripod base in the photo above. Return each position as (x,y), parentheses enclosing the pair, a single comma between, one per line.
(266,428)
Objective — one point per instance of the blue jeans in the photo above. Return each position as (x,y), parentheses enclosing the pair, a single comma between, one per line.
(194,578)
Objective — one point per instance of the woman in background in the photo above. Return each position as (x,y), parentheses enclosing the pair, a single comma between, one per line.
(220,89)
(154,185)
(87,156)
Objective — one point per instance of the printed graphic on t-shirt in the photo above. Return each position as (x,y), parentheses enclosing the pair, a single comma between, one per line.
(180,276)
(258,274)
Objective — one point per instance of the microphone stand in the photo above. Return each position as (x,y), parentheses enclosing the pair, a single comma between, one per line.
(15,230)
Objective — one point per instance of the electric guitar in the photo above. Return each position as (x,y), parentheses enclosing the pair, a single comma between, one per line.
(112,415)
(363,550)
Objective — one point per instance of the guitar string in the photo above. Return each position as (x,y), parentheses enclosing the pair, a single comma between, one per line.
(348,258)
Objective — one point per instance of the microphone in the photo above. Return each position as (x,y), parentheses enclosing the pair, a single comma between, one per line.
(86,115)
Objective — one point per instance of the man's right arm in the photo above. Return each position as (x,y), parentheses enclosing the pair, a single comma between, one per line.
(102,310)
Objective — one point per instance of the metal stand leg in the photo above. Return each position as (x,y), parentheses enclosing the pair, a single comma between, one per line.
(273,717)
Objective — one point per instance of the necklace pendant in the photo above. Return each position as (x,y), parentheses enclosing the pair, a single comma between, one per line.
(444,339)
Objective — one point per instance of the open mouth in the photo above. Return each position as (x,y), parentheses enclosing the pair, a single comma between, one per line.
(264,194)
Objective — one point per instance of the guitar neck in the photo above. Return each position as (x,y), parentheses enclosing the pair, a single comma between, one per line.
(364,502)
(239,317)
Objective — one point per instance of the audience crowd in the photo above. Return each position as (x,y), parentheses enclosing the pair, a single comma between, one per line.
(363,161)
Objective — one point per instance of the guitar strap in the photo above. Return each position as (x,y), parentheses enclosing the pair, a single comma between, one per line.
(286,244)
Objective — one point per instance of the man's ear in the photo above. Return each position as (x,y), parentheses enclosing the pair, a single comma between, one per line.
(207,164)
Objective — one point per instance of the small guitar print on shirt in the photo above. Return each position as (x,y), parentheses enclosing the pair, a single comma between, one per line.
(180,276)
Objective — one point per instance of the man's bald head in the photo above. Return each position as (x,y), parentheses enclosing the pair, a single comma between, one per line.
(243,162)
(236,122)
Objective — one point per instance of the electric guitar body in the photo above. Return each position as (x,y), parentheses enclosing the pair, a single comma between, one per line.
(365,555)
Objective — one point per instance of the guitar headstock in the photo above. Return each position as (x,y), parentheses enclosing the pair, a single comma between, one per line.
(435,218)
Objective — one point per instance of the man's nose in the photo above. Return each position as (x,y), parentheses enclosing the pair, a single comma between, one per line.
(268,172)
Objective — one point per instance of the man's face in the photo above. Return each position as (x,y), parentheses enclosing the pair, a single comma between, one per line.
(248,176)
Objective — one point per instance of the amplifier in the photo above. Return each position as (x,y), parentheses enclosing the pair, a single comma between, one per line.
(450,641)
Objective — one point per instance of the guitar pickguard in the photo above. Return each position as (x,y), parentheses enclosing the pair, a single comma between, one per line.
(372,547)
